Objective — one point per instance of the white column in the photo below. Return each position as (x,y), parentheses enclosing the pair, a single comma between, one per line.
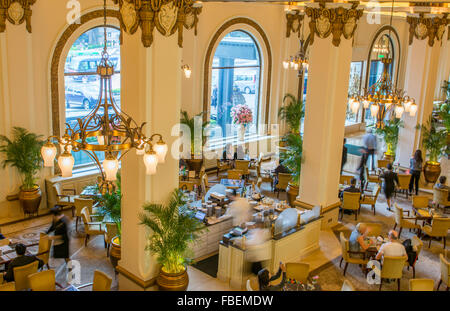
(326,104)
(420,84)
(151,92)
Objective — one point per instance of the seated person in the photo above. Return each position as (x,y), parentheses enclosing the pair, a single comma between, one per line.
(280,169)
(21,260)
(2,237)
(264,279)
(442,185)
(357,241)
(393,248)
(351,188)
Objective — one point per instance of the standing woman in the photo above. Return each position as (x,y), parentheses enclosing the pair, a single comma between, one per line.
(60,228)
(390,180)
(415,165)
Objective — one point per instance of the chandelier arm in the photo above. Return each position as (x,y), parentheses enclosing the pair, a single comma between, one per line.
(122,154)
(94,157)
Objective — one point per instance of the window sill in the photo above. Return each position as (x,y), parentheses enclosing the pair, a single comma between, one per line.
(77,174)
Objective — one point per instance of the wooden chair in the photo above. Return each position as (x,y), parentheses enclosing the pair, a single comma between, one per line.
(186,185)
(79,205)
(91,228)
(4,242)
(263,177)
(64,199)
(206,184)
(44,249)
(283,181)
(110,232)
(421,285)
(345,179)
(371,199)
(372,177)
(419,246)
(403,184)
(440,197)
(297,271)
(21,275)
(223,166)
(373,228)
(346,254)
(8,287)
(404,222)
(383,163)
(243,165)
(101,283)
(445,272)
(234,174)
(351,202)
(438,229)
(420,201)
(347,287)
(392,269)
(43,281)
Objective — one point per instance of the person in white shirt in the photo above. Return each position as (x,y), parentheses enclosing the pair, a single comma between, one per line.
(393,248)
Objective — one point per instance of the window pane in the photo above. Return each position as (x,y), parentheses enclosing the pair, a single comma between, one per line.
(82,84)
(235,81)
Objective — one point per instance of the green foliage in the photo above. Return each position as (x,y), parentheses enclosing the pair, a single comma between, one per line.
(390,132)
(111,204)
(292,112)
(173,226)
(434,140)
(292,157)
(190,122)
(24,153)
(444,113)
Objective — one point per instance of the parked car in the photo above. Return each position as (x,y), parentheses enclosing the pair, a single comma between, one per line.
(80,98)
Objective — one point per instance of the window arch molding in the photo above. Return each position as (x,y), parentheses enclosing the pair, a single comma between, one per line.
(61,49)
(255,30)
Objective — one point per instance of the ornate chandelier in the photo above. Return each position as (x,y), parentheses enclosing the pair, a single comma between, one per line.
(298,61)
(383,95)
(115,132)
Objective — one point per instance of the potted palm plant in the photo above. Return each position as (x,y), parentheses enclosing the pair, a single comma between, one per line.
(173,227)
(434,140)
(292,112)
(110,206)
(292,160)
(193,163)
(23,152)
(390,132)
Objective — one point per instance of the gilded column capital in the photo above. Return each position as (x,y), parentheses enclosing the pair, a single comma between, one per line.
(16,12)
(336,21)
(293,22)
(167,16)
(422,27)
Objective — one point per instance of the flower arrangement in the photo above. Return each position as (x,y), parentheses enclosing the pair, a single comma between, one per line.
(241,114)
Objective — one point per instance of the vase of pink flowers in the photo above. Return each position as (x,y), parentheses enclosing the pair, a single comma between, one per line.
(241,116)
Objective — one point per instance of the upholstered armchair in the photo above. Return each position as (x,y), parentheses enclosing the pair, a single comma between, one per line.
(420,201)
(382,163)
(371,199)
(243,165)
(91,228)
(223,166)
(351,202)
(234,174)
(79,205)
(283,181)
(438,229)
(345,179)
(359,259)
(421,285)
(8,287)
(65,200)
(445,272)
(297,271)
(101,282)
(418,244)
(21,275)
(110,232)
(372,177)
(403,184)
(44,249)
(263,177)
(404,222)
(43,281)
(440,197)
(392,269)
(373,228)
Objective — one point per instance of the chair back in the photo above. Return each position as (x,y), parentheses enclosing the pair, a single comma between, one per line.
(393,267)
(4,242)
(297,271)
(111,231)
(383,163)
(403,181)
(81,203)
(420,201)
(102,282)
(345,179)
(440,196)
(204,183)
(21,275)
(350,200)
(44,248)
(234,174)
(187,185)
(344,246)
(283,180)
(445,269)
(86,218)
(347,287)
(439,226)
(421,285)
(242,165)
(373,228)
(249,286)
(57,188)
(42,281)
(398,214)
(8,287)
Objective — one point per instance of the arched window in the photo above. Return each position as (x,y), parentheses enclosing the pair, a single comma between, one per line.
(235,80)
(81,81)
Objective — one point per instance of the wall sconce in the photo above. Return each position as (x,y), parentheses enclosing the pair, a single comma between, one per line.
(187,71)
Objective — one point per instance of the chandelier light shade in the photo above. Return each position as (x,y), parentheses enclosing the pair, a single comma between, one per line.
(413,109)
(150,161)
(161,151)
(65,163)
(374,110)
(285,64)
(48,153)
(187,71)
(110,167)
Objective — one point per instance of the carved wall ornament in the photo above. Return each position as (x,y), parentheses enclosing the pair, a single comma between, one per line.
(293,22)
(16,12)
(336,21)
(431,27)
(167,16)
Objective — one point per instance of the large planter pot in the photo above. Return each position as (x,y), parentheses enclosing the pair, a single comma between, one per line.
(194,164)
(30,200)
(292,193)
(114,253)
(431,171)
(173,281)
(389,157)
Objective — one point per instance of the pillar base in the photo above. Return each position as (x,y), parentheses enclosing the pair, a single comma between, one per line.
(130,282)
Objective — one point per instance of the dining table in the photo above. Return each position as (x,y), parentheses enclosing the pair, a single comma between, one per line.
(232,183)
(9,252)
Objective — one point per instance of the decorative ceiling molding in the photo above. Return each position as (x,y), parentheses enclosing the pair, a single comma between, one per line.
(293,22)
(16,12)
(422,27)
(336,21)
(167,16)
